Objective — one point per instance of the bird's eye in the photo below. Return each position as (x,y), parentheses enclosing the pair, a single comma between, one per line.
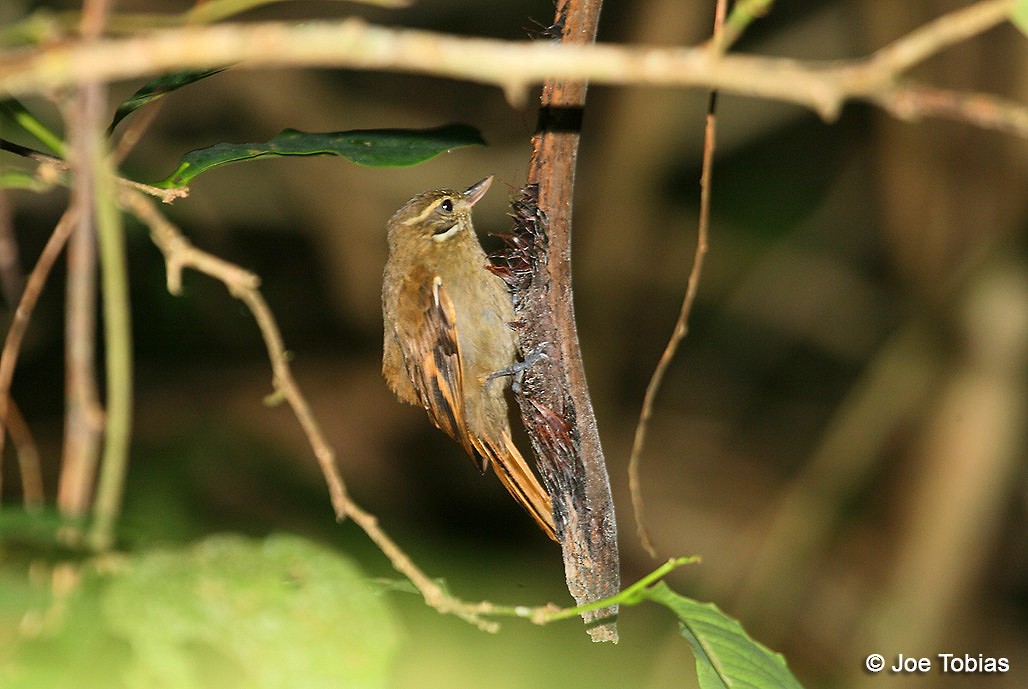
(447,206)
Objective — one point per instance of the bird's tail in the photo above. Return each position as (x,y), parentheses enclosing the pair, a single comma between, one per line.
(519,480)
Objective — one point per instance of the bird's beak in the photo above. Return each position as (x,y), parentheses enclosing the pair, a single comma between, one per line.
(477,191)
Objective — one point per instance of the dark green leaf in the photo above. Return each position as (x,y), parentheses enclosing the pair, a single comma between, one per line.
(157,87)
(725,655)
(371,147)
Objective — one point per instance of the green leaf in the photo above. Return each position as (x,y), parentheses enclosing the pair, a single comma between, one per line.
(22,179)
(725,655)
(229,612)
(216,10)
(158,87)
(12,110)
(371,147)
(38,530)
(1019,16)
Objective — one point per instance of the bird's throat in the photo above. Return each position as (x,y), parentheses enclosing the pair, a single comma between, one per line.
(443,236)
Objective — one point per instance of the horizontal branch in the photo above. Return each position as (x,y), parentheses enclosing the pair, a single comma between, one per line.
(913,102)
(511,65)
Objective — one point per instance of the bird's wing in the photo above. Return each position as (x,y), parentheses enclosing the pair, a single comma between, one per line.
(427,333)
(427,330)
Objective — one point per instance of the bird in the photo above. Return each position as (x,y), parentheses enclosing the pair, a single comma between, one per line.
(448,333)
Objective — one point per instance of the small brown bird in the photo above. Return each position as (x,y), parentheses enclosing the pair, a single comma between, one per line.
(447,331)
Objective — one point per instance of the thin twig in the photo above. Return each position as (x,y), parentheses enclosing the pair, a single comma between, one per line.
(117,351)
(201,13)
(12,285)
(83,412)
(94,18)
(933,37)
(216,10)
(180,254)
(12,279)
(29,297)
(510,65)
(84,415)
(743,14)
(97,165)
(631,595)
(28,459)
(134,132)
(913,102)
(54,170)
(682,324)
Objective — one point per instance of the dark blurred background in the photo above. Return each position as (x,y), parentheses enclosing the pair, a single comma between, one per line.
(841,437)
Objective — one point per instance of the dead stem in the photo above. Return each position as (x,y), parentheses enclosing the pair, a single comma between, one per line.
(23,313)
(28,459)
(682,324)
(12,280)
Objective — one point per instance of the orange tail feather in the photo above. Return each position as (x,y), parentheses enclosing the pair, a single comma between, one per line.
(519,480)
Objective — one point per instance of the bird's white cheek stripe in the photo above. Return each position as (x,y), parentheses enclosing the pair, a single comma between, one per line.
(446,235)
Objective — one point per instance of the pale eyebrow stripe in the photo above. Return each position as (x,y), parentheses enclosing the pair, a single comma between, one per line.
(425,213)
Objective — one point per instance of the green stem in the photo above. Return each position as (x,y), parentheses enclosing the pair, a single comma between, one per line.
(216,10)
(629,596)
(45,26)
(633,595)
(744,13)
(19,114)
(118,345)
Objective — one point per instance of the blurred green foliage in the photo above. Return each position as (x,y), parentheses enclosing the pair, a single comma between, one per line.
(226,612)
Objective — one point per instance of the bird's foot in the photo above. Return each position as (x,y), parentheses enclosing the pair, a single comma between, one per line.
(517,370)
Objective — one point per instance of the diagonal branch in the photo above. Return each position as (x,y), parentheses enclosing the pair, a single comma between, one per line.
(180,254)
(937,35)
(29,467)
(23,313)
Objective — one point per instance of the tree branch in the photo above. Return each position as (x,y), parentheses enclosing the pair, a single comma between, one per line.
(84,413)
(29,467)
(511,65)
(180,254)
(553,397)
(26,305)
(913,102)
